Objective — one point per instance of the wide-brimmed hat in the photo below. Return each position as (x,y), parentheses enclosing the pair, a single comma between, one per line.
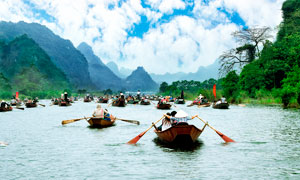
(181,114)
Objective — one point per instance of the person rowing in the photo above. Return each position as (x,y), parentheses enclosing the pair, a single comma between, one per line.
(180,117)
(102,113)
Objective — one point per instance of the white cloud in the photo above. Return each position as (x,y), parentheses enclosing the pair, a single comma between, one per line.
(189,41)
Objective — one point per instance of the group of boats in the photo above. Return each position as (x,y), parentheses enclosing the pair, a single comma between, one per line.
(181,133)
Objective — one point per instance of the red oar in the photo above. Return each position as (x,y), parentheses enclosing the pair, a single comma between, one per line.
(138,137)
(223,136)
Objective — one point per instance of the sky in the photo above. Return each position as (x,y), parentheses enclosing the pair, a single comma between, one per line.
(160,35)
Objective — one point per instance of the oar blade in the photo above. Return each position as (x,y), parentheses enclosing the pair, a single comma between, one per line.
(224,137)
(67,122)
(136,139)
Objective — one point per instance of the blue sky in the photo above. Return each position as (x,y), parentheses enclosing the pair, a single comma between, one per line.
(181,34)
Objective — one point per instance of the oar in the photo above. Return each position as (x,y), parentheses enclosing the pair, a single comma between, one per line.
(223,136)
(190,105)
(130,121)
(110,103)
(42,105)
(138,137)
(72,120)
(21,108)
(200,106)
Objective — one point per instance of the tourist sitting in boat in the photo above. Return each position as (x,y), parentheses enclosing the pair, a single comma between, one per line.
(223,100)
(4,104)
(35,100)
(99,112)
(180,117)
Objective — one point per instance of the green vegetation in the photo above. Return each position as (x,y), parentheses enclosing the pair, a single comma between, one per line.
(26,68)
(191,89)
(273,76)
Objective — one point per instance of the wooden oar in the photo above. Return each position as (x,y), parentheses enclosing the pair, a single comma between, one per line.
(73,120)
(138,137)
(223,136)
(190,105)
(21,108)
(200,106)
(130,121)
(42,105)
(110,103)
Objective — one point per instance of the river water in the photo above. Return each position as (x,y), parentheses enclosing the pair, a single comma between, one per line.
(39,147)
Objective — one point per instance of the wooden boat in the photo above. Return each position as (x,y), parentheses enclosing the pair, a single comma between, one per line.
(164,106)
(87,100)
(104,100)
(99,122)
(3,109)
(31,104)
(119,103)
(180,101)
(145,102)
(181,134)
(131,101)
(221,105)
(64,103)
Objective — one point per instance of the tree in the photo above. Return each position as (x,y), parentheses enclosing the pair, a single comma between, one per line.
(163,87)
(230,84)
(249,41)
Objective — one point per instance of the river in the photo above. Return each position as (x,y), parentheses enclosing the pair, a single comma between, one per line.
(39,147)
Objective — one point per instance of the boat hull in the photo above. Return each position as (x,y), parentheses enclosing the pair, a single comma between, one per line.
(100,123)
(163,106)
(221,106)
(6,109)
(180,134)
(30,105)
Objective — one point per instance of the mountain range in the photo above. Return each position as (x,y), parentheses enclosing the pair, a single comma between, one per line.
(58,63)
(80,67)
(61,52)
(203,73)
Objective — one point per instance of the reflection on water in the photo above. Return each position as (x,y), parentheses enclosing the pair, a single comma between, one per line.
(179,147)
(39,147)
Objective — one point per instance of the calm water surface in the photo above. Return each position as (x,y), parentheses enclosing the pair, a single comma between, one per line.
(41,148)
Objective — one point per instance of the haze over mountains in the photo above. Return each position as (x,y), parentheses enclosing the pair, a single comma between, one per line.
(202,74)
(55,60)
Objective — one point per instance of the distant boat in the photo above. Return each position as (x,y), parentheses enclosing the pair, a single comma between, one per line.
(103,100)
(179,101)
(64,103)
(31,104)
(221,105)
(119,103)
(3,109)
(144,102)
(163,106)
(180,134)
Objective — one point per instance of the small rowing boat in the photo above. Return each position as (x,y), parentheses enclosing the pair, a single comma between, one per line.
(221,105)
(4,109)
(119,103)
(180,134)
(31,104)
(100,122)
(180,101)
(64,103)
(163,106)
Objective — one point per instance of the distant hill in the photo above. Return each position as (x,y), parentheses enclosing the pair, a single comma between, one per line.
(101,75)
(203,73)
(28,67)
(140,80)
(115,69)
(62,52)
